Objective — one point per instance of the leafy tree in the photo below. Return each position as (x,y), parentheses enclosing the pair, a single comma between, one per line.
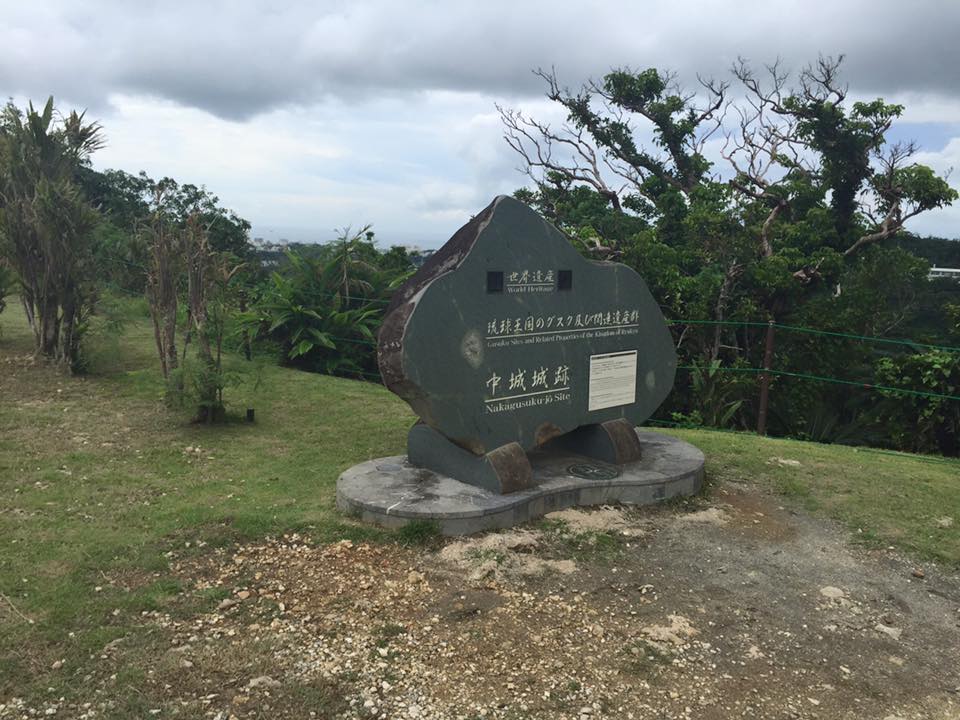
(827,147)
(813,181)
(46,222)
(127,207)
(395,261)
(147,241)
(209,275)
(121,198)
(935,250)
(176,243)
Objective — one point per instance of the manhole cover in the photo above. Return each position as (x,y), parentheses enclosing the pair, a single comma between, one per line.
(590,471)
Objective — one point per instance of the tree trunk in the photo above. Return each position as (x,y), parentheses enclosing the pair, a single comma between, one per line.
(198,266)
(162,296)
(169,335)
(27,299)
(158,339)
(733,270)
(49,326)
(163,310)
(247,345)
(68,350)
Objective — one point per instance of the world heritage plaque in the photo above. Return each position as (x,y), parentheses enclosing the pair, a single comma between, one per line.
(517,353)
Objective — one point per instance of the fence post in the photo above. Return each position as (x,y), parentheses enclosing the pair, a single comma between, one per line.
(765,382)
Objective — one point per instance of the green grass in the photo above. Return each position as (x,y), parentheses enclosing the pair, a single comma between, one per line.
(423,533)
(588,546)
(97,486)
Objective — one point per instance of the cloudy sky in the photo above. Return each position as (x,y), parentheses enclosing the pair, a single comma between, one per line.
(309,116)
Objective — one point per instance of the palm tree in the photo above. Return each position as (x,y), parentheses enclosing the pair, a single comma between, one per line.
(349,264)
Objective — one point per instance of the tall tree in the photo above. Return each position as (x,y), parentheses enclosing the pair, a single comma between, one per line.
(162,237)
(199,261)
(46,222)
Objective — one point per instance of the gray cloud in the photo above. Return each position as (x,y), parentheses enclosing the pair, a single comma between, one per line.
(316,115)
(237,60)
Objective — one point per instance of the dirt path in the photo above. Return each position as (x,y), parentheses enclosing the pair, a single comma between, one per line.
(739,608)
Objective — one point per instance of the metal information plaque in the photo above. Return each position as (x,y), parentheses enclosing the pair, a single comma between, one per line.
(613,380)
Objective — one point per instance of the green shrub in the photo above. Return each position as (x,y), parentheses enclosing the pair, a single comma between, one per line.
(323,312)
(922,423)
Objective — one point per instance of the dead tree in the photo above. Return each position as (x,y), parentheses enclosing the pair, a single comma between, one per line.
(565,155)
(199,269)
(764,150)
(163,245)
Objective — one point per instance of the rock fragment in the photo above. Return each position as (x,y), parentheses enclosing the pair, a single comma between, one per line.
(888,630)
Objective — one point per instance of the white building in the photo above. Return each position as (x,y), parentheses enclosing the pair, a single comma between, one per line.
(939,272)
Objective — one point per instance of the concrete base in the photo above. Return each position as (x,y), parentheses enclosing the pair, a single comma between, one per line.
(391,492)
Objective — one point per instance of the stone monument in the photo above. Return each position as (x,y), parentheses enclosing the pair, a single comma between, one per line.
(529,368)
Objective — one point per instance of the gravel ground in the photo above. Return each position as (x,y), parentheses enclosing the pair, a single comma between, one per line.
(736,608)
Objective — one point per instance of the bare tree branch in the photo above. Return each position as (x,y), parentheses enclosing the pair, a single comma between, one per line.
(890,196)
(536,143)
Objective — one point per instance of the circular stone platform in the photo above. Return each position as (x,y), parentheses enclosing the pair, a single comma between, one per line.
(391,492)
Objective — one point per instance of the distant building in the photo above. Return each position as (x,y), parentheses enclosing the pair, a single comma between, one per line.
(418,256)
(939,272)
(271,254)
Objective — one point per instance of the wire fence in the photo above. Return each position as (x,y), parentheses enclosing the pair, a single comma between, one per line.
(814,331)
(787,373)
(900,342)
(823,378)
(907,344)
(764,374)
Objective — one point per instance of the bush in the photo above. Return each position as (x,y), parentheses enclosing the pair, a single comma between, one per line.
(323,309)
(921,423)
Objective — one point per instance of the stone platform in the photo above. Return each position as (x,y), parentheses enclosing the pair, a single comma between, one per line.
(391,492)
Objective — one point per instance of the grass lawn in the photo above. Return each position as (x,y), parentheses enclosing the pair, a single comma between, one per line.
(99,481)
